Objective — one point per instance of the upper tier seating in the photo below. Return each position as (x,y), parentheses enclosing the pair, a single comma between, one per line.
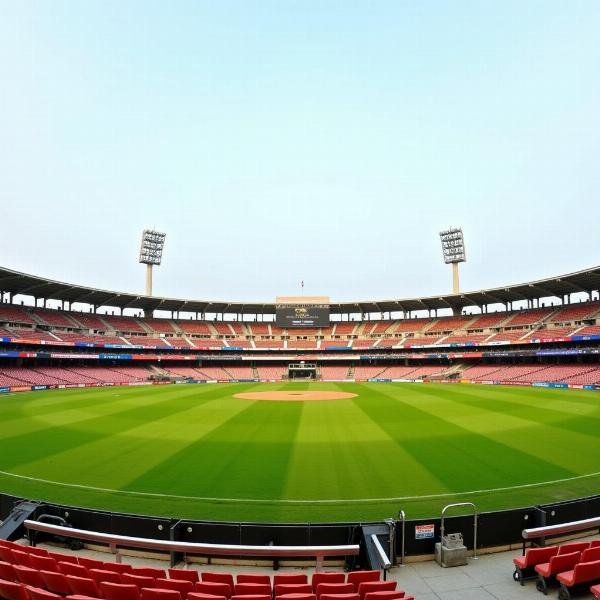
(89,321)
(529,317)
(487,321)
(56,318)
(160,325)
(124,324)
(11,313)
(195,327)
(259,329)
(450,324)
(576,312)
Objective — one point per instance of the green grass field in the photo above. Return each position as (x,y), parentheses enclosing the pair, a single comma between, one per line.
(195,451)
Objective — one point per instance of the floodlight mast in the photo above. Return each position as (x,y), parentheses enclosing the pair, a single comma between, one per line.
(151,249)
(453,250)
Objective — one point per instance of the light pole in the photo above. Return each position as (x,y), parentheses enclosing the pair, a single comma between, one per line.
(453,249)
(151,249)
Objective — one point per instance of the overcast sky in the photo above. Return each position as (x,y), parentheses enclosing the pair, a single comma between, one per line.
(280,141)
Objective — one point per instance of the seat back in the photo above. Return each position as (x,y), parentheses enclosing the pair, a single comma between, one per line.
(21,558)
(45,563)
(384,595)
(119,591)
(289,578)
(9,590)
(253,578)
(203,596)
(7,571)
(591,554)
(29,576)
(118,567)
(213,587)
(91,563)
(588,571)
(39,594)
(560,563)
(350,596)
(244,589)
(335,588)
(180,585)
(69,568)
(326,577)
(186,574)
(375,586)
(218,578)
(292,588)
(573,547)
(63,557)
(160,594)
(299,596)
(537,556)
(252,597)
(56,582)
(83,586)
(100,575)
(148,572)
(357,577)
(139,580)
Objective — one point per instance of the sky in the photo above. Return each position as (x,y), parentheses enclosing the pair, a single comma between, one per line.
(284,141)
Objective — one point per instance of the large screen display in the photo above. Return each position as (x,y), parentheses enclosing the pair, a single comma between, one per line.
(301,315)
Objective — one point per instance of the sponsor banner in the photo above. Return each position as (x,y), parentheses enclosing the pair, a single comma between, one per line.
(36,388)
(84,345)
(585,338)
(5,339)
(549,384)
(161,382)
(338,349)
(4,390)
(232,349)
(74,356)
(424,532)
(65,386)
(102,384)
(377,380)
(521,383)
(10,354)
(546,340)
(138,383)
(120,346)
(592,387)
(115,356)
(20,388)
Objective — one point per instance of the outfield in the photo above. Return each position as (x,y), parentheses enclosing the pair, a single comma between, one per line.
(195,451)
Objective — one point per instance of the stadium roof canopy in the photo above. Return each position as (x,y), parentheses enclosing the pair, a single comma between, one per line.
(40,287)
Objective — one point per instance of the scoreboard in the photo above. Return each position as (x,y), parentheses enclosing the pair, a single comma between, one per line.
(288,316)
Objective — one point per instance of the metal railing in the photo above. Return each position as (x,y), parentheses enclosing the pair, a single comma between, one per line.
(384,560)
(402,519)
(442,527)
(114,542)
(549,530)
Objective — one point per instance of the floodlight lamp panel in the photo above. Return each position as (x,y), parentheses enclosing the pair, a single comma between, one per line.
(151,247)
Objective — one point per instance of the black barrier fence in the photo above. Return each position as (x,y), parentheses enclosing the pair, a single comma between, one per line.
(498,528)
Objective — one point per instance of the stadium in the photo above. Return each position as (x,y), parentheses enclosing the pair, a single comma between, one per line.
(395,395)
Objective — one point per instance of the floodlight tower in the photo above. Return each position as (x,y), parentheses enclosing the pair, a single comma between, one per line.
(151,250)
(453,249)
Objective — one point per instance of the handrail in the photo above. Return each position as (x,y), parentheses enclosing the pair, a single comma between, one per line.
(402,517)
(548,530)
(384,560)
(442,528)
(194,547)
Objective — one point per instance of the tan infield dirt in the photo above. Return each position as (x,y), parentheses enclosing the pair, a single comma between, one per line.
(292,396)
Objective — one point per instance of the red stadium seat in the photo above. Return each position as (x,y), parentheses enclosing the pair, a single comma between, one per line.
(148,572)
(100,575)
(595,590)
(253,578)
(91,563)
(83,586)
(160,594)
(180,585)
(187,574)
(573,547)
(201,596)
(375,586)
(139,580)
(557,564)
(583,574)
(289,578)
(283,589)
(45,563)
(10,590)
(6,555)
(119,591)
(252,597)
(117,567)
(300,596)
(21,558)
(69,568)
(334,588)
(29,576)
(591,554)
(7,571)
(39,594)
(525,565)
(357,577)
(63,557)
(210,577)
(56,582)
(326,577)
(252,589)
(214,588)
(384,595)
(349,596)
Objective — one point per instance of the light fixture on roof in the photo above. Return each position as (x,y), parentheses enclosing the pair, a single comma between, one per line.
(453,250)
(151,249)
